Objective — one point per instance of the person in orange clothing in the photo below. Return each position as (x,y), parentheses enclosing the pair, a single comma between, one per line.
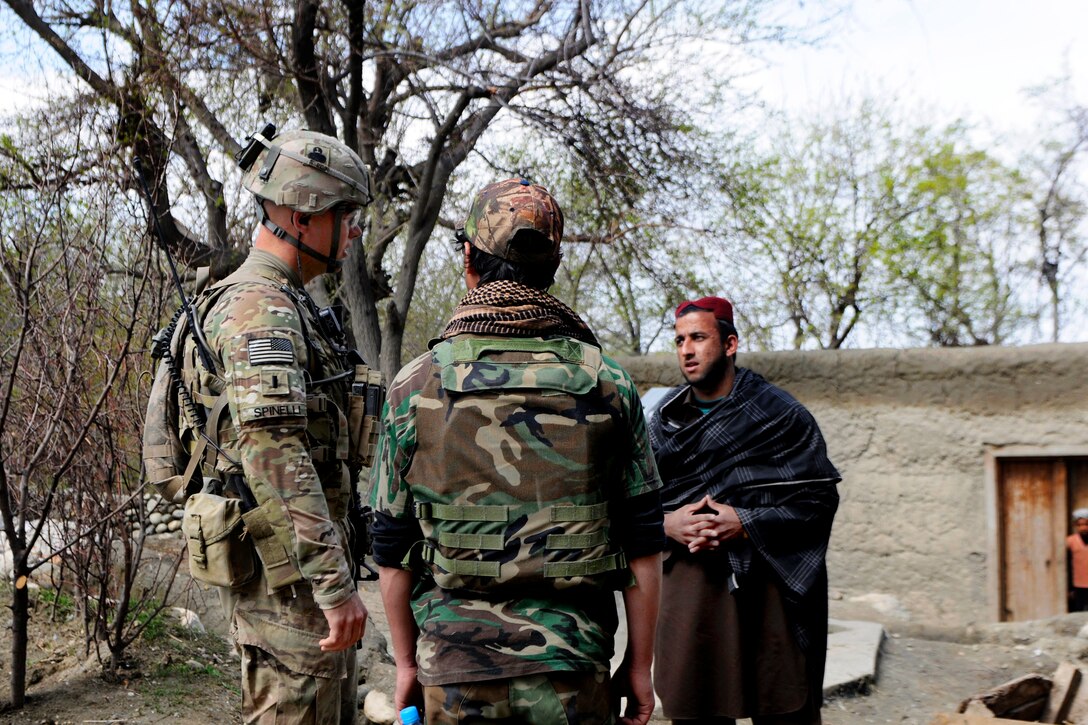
(1077,543)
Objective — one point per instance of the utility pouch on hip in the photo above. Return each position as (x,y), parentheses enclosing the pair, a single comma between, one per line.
(364,407)
(219,552)
(280,569)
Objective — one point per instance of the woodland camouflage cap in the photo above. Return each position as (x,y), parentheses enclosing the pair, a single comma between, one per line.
(502,209)
(308,172)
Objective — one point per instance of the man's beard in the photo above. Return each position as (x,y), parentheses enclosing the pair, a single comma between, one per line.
(713,376)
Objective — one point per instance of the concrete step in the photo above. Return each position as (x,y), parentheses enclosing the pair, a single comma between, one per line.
(853,650)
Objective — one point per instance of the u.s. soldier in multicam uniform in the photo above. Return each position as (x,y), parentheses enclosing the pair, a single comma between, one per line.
(298,663)
(514,490)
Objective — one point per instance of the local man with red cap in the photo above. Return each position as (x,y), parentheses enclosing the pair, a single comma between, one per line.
(749,496)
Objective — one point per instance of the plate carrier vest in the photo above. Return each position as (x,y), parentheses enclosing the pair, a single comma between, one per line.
(523,499)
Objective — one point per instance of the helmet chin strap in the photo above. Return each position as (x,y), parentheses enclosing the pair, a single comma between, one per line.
(331,263)
(334,263)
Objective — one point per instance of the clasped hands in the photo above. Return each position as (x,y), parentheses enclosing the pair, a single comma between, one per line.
(703,525)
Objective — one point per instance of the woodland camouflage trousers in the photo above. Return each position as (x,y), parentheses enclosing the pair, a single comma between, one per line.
(554,698)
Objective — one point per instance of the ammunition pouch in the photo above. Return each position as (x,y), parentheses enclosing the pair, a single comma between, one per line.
(364,407)
(220,554)
(327,427)
(226,544)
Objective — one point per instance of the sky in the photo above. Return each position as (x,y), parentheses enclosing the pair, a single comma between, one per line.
(970,58)
(963,58)
(947,59)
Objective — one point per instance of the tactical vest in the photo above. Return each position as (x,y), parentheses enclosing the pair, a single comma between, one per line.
(178,461)
(516,460)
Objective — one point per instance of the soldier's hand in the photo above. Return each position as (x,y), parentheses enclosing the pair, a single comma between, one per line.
(637,686)
(407,690)
(346,624)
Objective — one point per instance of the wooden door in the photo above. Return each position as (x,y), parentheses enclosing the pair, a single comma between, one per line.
(1078,486)
(1033,504)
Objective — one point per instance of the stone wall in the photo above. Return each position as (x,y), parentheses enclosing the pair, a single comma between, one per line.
(910,431)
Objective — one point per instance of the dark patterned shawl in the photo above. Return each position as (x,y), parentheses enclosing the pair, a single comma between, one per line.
(511,309)
(760,451)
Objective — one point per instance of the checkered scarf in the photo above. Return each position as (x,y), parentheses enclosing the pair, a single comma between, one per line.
(760,451)
(511,309)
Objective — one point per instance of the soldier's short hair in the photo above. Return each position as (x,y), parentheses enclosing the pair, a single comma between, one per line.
(493,269)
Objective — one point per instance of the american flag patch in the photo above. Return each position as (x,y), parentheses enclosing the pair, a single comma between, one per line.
(271,351)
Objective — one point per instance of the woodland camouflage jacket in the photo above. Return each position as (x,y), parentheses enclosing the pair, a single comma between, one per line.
(534,429)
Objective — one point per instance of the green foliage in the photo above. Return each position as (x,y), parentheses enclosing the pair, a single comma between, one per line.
(193,663)
(185,669)
(59,604)
(862,224)
(149,616)
(955,259)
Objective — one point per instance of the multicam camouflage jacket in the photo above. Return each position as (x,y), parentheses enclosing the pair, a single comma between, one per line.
(289,438)
(268,360)
(511,453)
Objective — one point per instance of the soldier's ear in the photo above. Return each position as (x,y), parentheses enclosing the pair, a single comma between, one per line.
(472,277)
(300,220)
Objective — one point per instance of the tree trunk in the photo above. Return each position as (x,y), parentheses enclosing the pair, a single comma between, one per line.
(421,224)
(20,620)
(359,298)
(392,338)
(1055,302)
(116,640)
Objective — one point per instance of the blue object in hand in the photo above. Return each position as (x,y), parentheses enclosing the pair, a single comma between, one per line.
(410,715)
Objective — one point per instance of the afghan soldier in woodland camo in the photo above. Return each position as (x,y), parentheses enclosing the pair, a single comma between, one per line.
(514,491)
(278,401)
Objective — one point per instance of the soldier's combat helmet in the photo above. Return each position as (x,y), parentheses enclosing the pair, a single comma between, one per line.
(503,209)
(308,172)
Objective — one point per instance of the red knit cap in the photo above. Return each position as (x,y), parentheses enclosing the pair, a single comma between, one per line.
(721,307)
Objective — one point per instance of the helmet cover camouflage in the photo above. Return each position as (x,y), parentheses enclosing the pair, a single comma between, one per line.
(308,172)
(502,209)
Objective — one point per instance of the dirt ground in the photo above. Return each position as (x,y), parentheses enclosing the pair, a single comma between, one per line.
(174,676)
(181,677)
(184,679)
(192,681)
(918,678)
